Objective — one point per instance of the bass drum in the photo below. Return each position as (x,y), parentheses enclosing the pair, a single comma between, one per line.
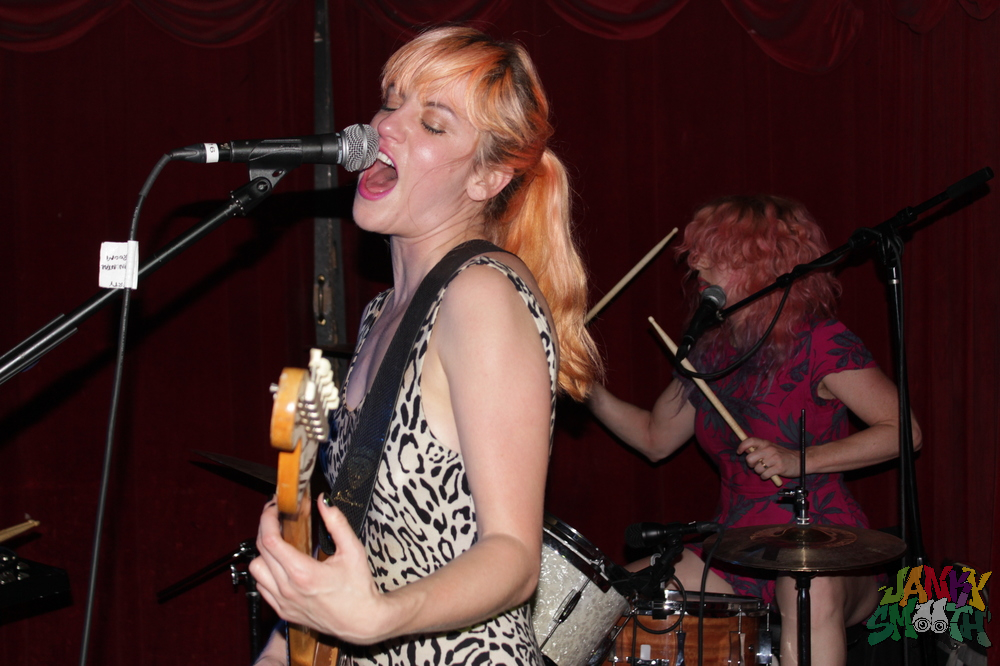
(575,607)
(737,631)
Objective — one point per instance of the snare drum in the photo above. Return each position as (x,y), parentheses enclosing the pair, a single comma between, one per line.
(575,607)
(737,631)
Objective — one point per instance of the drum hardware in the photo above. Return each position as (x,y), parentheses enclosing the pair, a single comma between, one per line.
(736,631)
(28,588)
(651,581)
(765,643)
(645,657)
(804,549)
(567,606)
(243,553)
(668,539)
(576,606)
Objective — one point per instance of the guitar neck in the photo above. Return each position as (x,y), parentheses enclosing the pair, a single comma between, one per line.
(297,529)
(298,424)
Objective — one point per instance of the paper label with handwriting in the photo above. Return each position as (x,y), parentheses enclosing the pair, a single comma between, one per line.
(119,265)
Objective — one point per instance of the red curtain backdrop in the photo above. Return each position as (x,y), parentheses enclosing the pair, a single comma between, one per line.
(858,108)
(805,35)
(922,15)
(41,25)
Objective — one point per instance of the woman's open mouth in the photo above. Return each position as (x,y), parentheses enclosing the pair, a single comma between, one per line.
(379,179)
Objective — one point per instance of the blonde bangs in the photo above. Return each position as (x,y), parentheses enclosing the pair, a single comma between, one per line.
(495,99)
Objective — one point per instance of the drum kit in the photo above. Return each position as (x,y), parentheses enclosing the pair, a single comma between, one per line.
(584,615)
(589,611)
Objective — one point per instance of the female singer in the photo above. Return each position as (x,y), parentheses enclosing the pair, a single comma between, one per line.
(453,537)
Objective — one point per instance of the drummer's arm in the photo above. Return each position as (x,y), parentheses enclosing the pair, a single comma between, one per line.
(874,399)
(655,433)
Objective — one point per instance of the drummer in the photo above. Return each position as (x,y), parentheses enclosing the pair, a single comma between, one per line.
(810,361)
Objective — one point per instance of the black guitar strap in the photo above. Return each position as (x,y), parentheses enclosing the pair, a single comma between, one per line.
(355,483)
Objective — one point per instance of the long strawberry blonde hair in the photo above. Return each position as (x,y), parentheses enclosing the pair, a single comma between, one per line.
(760,238)
(530,217)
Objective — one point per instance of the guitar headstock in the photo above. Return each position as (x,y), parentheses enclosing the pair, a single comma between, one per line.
(298,424)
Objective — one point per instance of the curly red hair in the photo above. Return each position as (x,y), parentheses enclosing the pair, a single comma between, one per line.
(760,238)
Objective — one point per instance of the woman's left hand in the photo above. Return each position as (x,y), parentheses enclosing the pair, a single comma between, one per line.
(767,459)
(337,596)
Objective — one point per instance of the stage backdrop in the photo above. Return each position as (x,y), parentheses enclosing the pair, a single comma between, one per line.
(858,108)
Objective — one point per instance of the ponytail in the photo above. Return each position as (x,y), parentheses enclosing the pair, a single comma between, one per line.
(539,231)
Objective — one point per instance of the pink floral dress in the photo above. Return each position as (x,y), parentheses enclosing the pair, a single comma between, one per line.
(771,409)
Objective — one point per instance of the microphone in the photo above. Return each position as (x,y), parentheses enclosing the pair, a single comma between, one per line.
(355,149)
(641,535)
(705,317)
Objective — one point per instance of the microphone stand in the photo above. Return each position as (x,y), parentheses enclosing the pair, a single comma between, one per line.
(890,248)
(865,236)
(241,201)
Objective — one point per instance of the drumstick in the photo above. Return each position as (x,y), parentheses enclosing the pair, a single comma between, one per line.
(628,276)
(12,532)
(709,394)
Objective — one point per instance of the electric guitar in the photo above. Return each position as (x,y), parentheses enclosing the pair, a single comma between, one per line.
(298,425)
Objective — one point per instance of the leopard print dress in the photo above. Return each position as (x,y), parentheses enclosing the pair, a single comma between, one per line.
(422,514)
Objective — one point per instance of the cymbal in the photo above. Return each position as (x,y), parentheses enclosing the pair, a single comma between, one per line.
(250,474)
(814,548)
(255,475)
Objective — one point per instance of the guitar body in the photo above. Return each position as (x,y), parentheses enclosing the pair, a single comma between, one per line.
(298,424)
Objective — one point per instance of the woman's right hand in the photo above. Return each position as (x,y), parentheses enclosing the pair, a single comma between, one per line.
(337,596)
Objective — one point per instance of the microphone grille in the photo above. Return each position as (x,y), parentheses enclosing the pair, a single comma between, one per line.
(360,147)
(715,294)
(633,536)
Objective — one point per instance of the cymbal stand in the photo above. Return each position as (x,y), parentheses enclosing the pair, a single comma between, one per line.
(245,552)
(800,497)
(244,577)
